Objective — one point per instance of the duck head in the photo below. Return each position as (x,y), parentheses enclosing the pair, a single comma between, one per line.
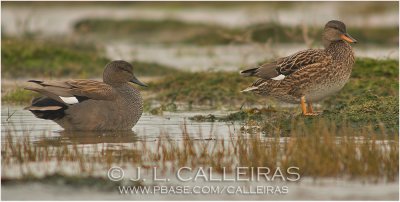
(119,72)
(336,31)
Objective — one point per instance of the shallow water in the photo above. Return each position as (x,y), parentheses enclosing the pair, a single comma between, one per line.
(21,122)
(22,126)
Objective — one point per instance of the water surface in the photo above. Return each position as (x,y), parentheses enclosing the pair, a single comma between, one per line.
(22,124)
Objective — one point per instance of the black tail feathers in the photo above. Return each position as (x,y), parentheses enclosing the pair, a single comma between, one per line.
(47,108)
(249,72)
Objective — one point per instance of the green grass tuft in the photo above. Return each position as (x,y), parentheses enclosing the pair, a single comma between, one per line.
(35,58)
(22,58)
(370,109)
(18,96)
(203,88)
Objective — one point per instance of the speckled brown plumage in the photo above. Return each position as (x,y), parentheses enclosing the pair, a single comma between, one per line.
(309,75)
(91,105)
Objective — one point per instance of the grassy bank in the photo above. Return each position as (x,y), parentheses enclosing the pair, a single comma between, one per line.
(18,96)
(23,58)
(213,89)
(379,77)
(370,98)
(174,31)
(371,80)
(36,58)
(165,31)
(379,113)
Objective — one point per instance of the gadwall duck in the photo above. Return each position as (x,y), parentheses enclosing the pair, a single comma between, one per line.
(309,75)
(80,104)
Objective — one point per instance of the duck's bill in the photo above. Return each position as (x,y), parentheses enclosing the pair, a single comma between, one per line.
(348,38)
(135,80)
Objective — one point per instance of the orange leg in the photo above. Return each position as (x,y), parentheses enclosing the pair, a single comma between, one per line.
(310,111)
(310,108)
(303,105)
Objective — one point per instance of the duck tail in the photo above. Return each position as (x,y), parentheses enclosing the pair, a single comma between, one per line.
(251,88)
(260,86)
(47,108)
(249,72)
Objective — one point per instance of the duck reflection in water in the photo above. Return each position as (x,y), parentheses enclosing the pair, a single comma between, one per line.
(88,137)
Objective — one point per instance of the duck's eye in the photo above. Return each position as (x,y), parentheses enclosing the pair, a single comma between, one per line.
(126,70)
(338,29)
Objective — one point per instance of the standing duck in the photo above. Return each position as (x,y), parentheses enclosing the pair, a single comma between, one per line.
(309,75)
(80,104)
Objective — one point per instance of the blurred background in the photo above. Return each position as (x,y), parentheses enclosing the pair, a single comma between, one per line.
(80,37)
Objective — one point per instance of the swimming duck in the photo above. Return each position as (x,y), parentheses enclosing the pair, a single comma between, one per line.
(81,104)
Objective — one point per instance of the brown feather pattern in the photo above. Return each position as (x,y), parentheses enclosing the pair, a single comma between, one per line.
(313,73)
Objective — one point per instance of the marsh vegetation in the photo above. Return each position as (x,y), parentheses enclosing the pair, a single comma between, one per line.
(319,148)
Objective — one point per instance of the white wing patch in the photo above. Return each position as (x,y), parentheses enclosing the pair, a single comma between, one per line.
(69,100)
(280,77)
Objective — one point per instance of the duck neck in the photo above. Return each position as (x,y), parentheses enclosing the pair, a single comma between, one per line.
(340,51)
(123,86)
(114,83)
(132,102)
(130,95)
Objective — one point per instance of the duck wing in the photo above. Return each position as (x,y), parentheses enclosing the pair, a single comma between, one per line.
(282,67)
(74,91)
